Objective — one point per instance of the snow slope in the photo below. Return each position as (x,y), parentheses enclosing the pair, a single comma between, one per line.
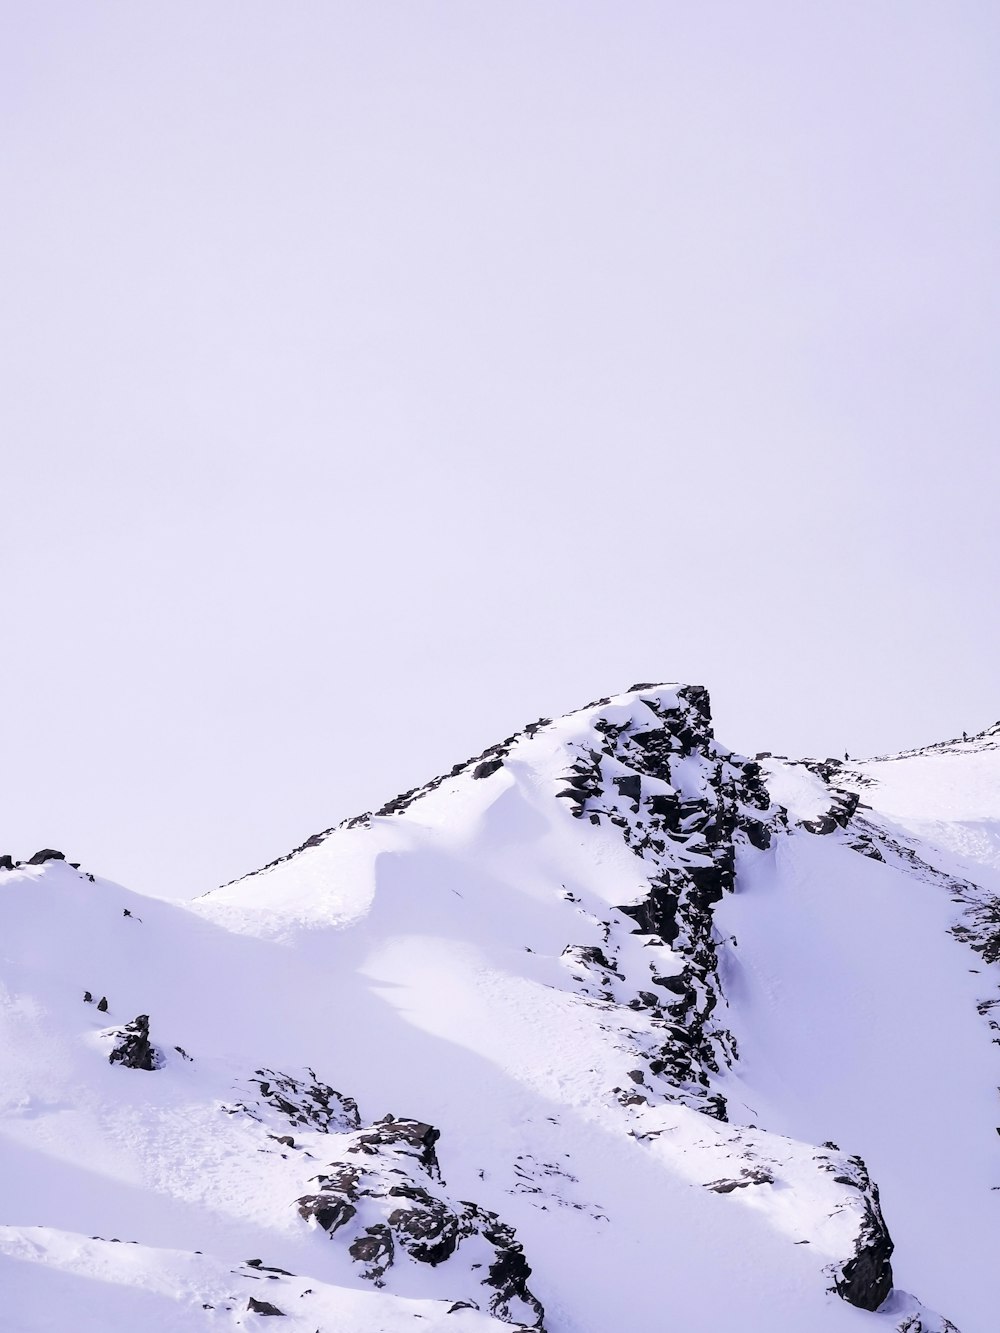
(688,1027)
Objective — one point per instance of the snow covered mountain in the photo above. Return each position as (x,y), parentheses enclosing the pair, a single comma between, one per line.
(607,1029)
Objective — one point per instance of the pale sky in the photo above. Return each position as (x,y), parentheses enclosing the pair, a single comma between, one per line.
(380,376)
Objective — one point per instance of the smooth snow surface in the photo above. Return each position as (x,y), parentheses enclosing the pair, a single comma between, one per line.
(427,962)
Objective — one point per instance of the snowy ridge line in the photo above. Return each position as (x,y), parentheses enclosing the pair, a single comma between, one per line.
(957,745)
(491,758)
(488,761)
(988,739)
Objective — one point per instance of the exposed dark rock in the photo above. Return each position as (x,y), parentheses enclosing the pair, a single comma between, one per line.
(862,843)
(87,997)
(684,824)
(630,786)
(133,1048)
(584,782)
(657,913)
(6,862)
(326,1210)
(392,1166)
(865,1280)
(508,1276)
(842,808)
(262,1267)
(46,854)
(915,1323)
(375,1249)
(589,953)
(592,966)
(413,1138)
(302,1103)
(487,767)
(262,1307)
(749,1175)
(428,1231)
(102,1004)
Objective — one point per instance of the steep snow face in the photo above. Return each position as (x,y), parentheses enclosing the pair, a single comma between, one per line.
(945,797)
(568,1039)
(864,999)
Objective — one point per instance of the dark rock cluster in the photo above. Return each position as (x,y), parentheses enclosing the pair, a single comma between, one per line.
(7,862)
(46,854)
(682,805)
(865,1280)
(384,1196)
(302,1103)
(133,1048)
(254,1306)
(748,1175)
(843,803)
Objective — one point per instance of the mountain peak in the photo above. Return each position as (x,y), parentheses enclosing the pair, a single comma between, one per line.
(603,1009)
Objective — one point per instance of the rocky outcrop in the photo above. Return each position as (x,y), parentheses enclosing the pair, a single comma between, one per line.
(255,1306)
(479,766)
(303,1103)
(133,1048)
(382,1195)
(865,1280)
(843,803)
(384,1198)
(682,804)
(46,854)
(7,862)
(748,1175)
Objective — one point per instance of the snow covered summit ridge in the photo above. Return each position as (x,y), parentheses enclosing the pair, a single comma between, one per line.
(601,1004)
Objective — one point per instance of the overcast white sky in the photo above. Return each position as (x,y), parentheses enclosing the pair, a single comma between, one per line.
(379,376)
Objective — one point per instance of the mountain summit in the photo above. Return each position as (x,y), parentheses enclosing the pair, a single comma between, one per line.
(607,1029)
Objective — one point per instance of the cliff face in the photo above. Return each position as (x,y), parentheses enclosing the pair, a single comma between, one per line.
(608,1027)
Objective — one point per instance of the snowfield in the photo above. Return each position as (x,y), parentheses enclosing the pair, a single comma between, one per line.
(608,1029)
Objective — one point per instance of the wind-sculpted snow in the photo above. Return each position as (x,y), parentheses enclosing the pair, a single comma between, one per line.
(623,992)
